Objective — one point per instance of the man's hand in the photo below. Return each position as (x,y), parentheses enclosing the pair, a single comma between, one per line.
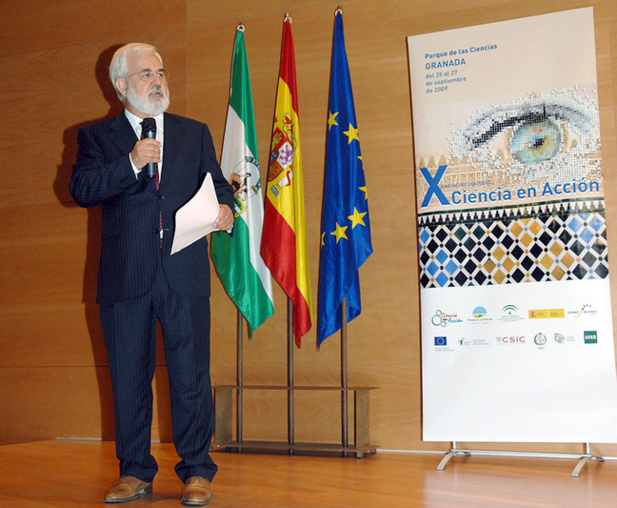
(225,219)
(146,150)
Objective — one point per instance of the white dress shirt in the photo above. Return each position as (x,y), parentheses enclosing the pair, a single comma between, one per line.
(135,122)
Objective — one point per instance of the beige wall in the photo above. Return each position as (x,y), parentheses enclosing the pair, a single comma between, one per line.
(54,54)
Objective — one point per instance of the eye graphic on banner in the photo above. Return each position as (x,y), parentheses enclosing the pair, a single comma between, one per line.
(553,136)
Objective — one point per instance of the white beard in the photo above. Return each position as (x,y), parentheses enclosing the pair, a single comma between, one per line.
(151,106)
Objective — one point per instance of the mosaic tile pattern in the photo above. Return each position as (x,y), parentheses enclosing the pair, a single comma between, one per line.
(549,242)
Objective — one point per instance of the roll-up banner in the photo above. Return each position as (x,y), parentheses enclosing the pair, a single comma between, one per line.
(517,337)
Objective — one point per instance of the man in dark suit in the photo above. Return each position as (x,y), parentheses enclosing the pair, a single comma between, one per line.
(139,281)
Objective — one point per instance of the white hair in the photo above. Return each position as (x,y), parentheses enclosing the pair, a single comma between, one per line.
(119,67)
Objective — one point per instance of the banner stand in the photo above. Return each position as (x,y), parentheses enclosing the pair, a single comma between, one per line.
(515,303)
(583,459)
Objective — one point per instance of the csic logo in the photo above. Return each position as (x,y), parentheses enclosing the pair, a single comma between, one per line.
(512,339)
(540,339)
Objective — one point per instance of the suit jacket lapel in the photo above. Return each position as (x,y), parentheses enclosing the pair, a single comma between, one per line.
(172,133)
(122,134)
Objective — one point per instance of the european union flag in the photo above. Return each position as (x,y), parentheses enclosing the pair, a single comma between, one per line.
(345,226)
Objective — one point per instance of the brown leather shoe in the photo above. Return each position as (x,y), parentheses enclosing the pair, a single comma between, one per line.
(127,489)
(196,492)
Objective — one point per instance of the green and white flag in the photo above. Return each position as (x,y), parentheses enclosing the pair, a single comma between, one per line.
(236,257)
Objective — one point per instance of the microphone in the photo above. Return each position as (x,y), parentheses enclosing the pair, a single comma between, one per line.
(148,130)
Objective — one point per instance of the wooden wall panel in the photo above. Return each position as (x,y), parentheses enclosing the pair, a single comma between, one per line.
(46,402)
(32,25)
(52,353)
(59,91)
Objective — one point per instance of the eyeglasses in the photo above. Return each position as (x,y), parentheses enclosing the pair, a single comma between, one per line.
(148,75)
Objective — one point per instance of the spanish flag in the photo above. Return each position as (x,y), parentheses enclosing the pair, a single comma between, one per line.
(283,243)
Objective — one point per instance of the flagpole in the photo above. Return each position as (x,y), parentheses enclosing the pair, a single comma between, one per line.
(239,362)
(344,400)
(239,380)
(290,377)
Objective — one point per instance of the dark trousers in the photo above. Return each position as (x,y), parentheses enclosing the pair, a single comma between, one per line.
(130,336)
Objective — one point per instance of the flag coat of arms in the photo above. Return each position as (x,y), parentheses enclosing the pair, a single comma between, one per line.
(346,232)
(236,257)
(283,245)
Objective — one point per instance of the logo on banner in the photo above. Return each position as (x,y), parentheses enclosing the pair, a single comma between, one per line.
(443,318)
(441,341)
(591,337)
(479,312)
(547,313)
(540,340)
(479,316)
(473,342)
(585,310)
(511,339)
(509,314)
(562,338)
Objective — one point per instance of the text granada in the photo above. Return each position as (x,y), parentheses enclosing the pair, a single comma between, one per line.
(453,62)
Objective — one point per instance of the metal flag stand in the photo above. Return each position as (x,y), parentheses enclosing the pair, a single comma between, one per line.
(583,459)
(239,375)
(290,377)
(344,397)
(223,395)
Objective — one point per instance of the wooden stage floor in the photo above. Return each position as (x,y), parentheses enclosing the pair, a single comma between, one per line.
(67,474)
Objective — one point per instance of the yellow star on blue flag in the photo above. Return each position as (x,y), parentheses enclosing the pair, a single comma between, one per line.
(351,134)
(346,230)
(339,233)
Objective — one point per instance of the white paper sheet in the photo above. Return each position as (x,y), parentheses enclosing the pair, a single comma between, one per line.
(194,220)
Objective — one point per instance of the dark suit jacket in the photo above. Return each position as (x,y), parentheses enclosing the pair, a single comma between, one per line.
(130,207)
